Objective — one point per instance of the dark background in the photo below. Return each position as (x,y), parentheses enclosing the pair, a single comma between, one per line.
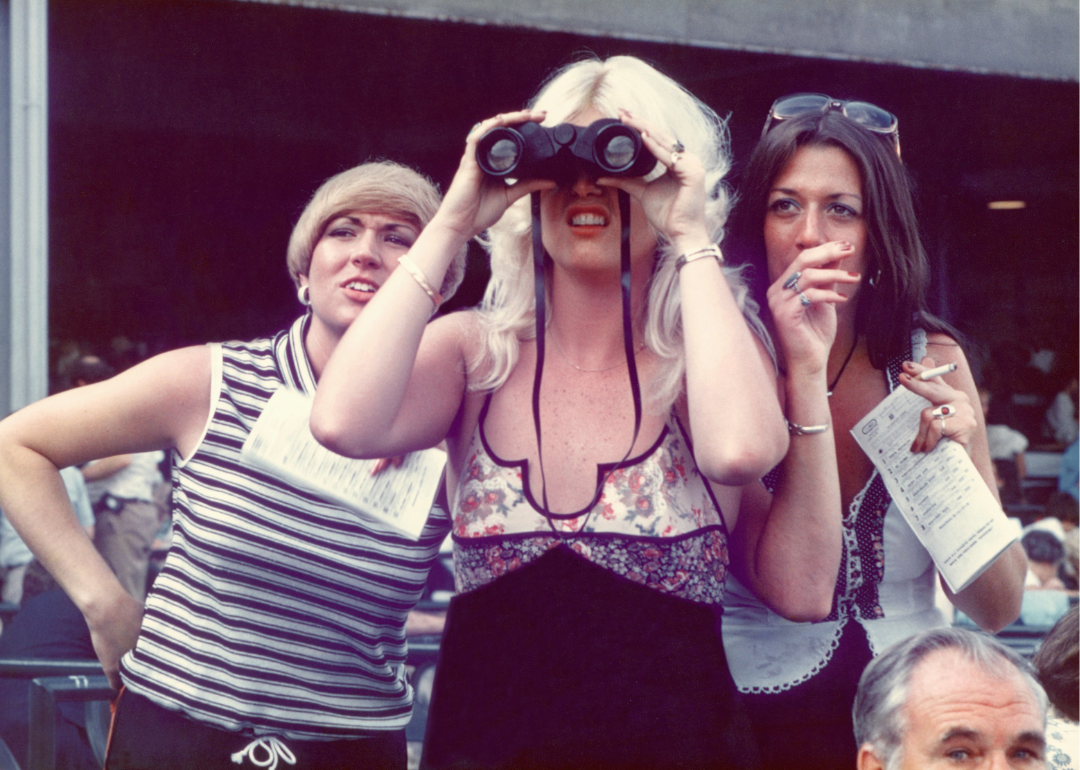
(186,137)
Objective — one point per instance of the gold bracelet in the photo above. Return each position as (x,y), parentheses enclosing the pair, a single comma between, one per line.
(418,274)
(709,251)
(805,430)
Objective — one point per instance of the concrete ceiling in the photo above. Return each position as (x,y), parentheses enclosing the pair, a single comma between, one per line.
(1027,38)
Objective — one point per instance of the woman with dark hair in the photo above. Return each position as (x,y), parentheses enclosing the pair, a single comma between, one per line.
(827,215)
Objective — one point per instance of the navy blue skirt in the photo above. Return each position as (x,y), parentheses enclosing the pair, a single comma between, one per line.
(563,664)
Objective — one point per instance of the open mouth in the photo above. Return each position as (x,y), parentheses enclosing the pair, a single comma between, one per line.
(362,286)
(588,219)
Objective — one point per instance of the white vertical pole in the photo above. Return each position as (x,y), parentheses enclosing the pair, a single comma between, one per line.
(29,203)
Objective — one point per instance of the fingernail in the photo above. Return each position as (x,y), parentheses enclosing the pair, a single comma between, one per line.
(643,133)
(625,112)
(844,246)
(853,275)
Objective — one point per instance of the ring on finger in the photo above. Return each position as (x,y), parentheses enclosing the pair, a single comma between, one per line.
(675,158)
(806,301)
(793,282)
(678,148)
(943,411)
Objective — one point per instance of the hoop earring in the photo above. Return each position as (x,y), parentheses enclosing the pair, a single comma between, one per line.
(304,295)
(873,280)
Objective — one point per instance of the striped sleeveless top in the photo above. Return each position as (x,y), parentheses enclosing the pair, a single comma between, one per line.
(276,613)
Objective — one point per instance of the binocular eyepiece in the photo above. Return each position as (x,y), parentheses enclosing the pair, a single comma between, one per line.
(606,147)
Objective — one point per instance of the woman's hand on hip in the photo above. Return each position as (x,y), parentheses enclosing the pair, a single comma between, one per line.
(114,629)
(476,201)
(803,304)
(950,414)
(674,202)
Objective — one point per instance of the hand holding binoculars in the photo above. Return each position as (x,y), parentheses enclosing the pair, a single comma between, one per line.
(606,147)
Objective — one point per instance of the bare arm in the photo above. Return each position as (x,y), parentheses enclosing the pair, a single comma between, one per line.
(393,386)
(787,547)
(993,599)
(105,467)
(734,414)
(162,403)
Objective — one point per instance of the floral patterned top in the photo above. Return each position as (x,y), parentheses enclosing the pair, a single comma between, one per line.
(655,521)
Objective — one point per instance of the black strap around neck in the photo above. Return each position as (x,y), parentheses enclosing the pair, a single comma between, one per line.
(539,256)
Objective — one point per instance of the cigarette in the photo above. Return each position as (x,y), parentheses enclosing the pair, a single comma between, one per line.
(937,371)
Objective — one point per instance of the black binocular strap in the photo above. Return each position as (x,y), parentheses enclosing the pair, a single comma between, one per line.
(541,326)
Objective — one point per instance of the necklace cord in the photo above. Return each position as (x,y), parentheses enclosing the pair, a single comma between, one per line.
(836,380)
(541,325)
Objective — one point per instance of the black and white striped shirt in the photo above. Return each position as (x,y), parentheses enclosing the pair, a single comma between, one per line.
(276,612)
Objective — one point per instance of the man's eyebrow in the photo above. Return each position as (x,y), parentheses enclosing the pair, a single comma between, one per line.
(969,733)
(1033,737)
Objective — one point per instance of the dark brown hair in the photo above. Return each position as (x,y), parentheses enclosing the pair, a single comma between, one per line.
(892,294)
(1058,664)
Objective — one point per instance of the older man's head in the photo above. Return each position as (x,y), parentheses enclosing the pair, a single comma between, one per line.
(949,698)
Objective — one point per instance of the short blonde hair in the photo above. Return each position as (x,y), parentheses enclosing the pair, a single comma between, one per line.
(381,187)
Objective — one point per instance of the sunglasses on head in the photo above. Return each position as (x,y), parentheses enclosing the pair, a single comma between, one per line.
(869,116)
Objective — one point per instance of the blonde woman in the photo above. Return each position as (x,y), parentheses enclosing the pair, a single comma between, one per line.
(590,546)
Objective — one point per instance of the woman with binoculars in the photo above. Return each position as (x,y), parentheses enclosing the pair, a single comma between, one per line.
(602,414)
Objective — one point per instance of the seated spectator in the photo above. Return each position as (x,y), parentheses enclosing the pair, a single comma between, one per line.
(1058,665)
(1061,423)
(1063,510)
(1045,554)
(15,557)
(1007,448)
(48,626)
(949,697)
(1069,475)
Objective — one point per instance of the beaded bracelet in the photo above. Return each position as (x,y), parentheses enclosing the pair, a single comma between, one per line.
(711,250)
(418,274)
(805,430)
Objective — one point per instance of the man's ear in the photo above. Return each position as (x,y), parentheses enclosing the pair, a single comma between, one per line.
(867,759)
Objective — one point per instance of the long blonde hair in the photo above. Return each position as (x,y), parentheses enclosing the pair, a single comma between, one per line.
(507,313)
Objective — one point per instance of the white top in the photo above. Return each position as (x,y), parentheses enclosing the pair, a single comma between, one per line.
(135,482)
(1004,442)
(887,583)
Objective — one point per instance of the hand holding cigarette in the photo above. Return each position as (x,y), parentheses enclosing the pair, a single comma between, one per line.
(950,414)
(937,371)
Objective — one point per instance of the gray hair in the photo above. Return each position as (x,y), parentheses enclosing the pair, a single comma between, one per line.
(884,685)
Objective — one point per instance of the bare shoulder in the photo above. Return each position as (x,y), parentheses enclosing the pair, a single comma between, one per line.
(455,337)
(460,327)
(944,349)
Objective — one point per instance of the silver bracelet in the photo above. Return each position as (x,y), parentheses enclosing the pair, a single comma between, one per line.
(711,250)
(805,430)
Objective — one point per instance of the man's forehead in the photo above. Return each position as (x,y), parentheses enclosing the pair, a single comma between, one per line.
(956,693)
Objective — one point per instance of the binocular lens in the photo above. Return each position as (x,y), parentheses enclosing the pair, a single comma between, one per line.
(619,152)
(503,155)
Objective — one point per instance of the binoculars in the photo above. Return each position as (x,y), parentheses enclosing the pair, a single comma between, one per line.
(605,147)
